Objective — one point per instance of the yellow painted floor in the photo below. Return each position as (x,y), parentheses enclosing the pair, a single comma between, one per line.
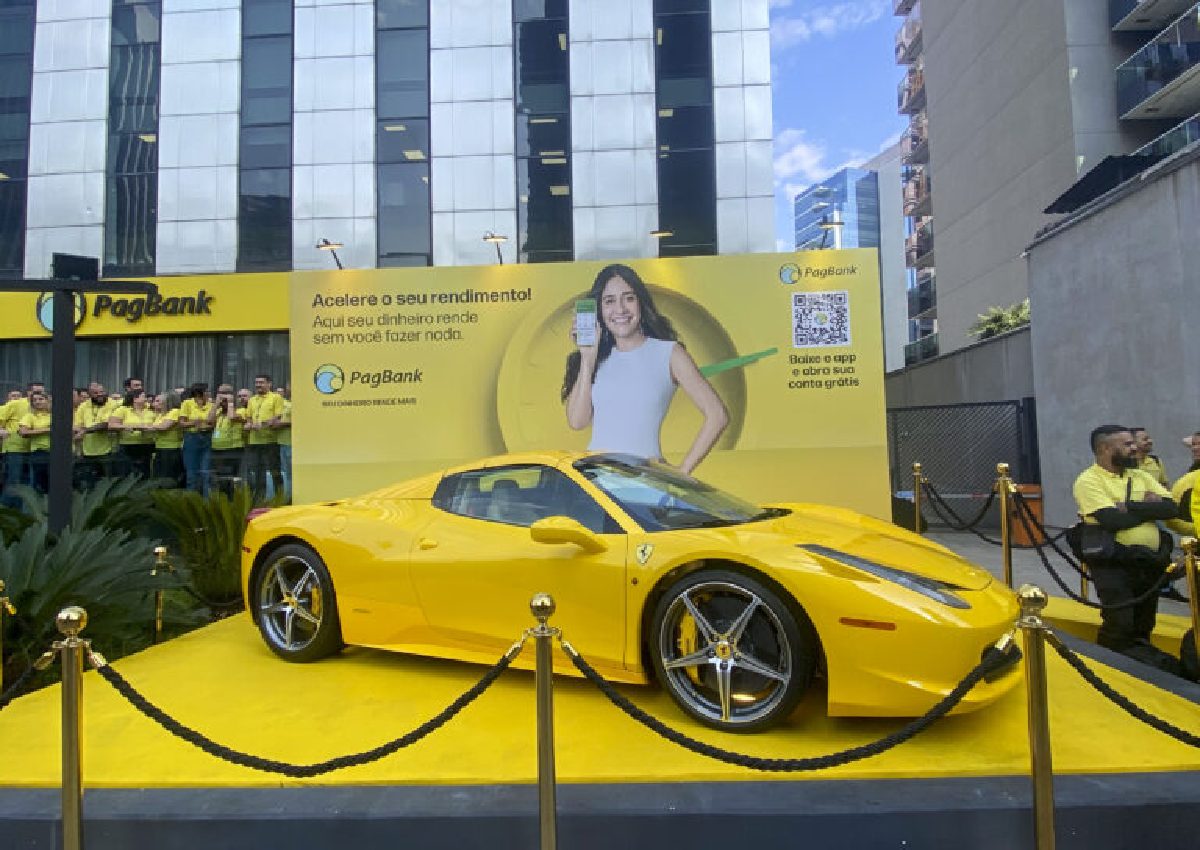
(223,681)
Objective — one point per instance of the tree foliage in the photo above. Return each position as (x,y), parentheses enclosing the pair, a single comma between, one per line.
(999,320)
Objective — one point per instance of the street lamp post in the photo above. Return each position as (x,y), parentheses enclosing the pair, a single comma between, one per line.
(331,247)
(497,240)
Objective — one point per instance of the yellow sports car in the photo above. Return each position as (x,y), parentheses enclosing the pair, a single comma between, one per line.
(732,607)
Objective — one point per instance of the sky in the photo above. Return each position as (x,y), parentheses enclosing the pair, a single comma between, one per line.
(834,79)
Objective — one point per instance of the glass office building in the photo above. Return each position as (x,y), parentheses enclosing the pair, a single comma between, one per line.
(215,136)
(841,211)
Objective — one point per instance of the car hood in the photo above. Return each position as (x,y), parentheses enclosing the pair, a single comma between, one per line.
(882,542)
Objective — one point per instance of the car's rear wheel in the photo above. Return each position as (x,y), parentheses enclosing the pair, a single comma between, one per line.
(731,653)
(295,605)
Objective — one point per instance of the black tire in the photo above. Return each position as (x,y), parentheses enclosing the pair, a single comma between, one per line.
(294,605)
(776,638)
(1187,656)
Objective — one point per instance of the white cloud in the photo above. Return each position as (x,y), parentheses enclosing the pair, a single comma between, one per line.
(791,28)
(801,162)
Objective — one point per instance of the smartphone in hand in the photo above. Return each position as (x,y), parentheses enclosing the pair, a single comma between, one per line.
(586,328)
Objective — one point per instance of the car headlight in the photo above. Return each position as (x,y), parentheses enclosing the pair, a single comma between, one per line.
(939,591)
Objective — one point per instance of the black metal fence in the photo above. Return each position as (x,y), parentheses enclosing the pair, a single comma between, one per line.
(959,445)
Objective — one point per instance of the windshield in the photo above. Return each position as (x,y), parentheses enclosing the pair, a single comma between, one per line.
(660,498)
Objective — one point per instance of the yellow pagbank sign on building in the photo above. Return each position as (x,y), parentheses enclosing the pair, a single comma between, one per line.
(399,372)
(184,305)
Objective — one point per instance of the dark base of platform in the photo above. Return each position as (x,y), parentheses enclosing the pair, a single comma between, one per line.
(1159,810)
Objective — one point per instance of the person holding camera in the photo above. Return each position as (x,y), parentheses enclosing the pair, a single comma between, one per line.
(1125,550)
(228,441)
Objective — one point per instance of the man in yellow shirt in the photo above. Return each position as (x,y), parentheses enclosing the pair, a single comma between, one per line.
(283,436)
(35,427)
(1127,502)
(91,431)
(263,413)
(1147,460)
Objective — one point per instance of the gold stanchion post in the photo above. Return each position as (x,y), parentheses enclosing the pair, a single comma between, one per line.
(542,607)
(1193,581)
(918,481)
(1033,631)
(6,607)
(1004,489)
(160,563)
(71,621)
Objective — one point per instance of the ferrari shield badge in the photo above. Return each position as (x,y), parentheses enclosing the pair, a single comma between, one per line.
(644,552)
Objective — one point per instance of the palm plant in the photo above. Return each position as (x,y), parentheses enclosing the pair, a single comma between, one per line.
(208,532)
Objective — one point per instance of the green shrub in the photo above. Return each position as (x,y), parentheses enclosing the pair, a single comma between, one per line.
(208,534)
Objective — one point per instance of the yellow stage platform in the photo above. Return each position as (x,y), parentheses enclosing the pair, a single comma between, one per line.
(223,681)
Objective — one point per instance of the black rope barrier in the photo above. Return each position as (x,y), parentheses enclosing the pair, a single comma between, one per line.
(300,771)
(211,603)
(1154,590)
(1119,699)
(993,659)
(957,523)
(14,690)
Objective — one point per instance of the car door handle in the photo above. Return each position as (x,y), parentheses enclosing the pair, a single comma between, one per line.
(427,543)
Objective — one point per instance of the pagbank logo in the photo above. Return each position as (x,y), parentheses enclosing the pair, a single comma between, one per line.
(789,274)
(329,379)
(45,310)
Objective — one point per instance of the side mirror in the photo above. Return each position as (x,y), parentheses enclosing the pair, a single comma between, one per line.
(562,529)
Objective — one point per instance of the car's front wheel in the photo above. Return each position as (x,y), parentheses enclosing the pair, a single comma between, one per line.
(295,608)
(730,652)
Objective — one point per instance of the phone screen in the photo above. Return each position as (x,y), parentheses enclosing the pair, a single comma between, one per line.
(585,321)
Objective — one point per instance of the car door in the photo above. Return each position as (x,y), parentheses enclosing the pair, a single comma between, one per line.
(475,566)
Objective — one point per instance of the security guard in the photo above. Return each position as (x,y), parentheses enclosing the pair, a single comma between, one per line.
(1127,502)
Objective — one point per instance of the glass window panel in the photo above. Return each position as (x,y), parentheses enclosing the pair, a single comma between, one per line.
(266,147)
(136,24)
(13,158)
(267,80)
(692,91)
(684,47)
(544,219)
(16,32)
(542,67)
(402,73)
(685,127)
(395,14)
(266,17)
(404,221)
(687,202)
(130,223)
(396,261)
(539,133)
(132,154)
(12,226)
(133,88)
(526,10)
(265,220)
(668,7)
(402,140)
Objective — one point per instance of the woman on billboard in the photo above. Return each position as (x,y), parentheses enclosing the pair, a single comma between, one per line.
(621,379)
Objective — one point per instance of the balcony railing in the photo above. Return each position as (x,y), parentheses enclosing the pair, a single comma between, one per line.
(922,297)
(908,41)
(903,7)
(918,246)
(923,349)
(914,146)
(1174,53)
(910,94)
(916,191)
(1144,15)
(1172,141)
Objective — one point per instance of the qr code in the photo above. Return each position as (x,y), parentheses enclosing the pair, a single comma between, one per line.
(820,319)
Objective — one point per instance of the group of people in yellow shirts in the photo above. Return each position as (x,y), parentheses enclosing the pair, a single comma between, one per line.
(197,442)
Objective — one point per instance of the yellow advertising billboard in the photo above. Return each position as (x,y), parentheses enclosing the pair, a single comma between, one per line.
(399,372)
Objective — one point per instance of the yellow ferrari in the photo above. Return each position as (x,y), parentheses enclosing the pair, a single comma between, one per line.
(734,608)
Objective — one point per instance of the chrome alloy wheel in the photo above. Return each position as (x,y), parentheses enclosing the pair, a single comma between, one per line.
(290,604)
(725,652)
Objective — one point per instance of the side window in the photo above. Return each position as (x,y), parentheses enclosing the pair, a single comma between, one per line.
(521,495)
